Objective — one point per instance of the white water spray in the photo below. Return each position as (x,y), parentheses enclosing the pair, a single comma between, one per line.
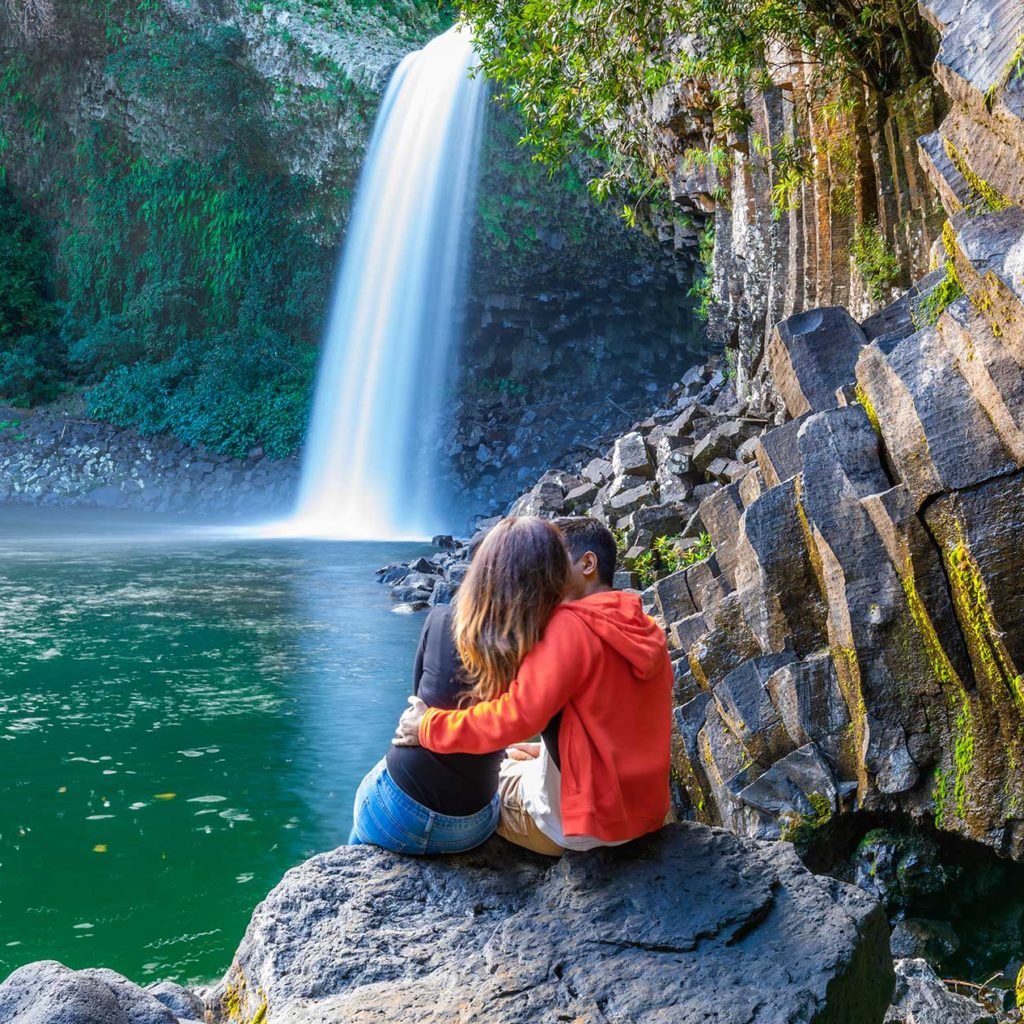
(390,339)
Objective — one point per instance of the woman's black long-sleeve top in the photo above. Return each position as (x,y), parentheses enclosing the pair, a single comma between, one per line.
(457,784)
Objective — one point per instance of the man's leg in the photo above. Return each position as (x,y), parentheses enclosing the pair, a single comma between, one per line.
(515,824)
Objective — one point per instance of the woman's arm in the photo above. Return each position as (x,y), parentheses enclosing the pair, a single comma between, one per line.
(548,677)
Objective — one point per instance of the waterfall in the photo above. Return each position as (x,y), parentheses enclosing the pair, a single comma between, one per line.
(381,386)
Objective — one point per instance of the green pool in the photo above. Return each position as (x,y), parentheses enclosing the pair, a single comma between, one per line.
(183,716)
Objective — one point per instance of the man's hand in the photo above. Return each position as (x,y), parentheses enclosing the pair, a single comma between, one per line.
(523,751)
(408,732)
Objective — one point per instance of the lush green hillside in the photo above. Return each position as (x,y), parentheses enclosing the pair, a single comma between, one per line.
(176,185)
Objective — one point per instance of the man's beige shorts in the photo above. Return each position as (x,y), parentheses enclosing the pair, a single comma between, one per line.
(516,825)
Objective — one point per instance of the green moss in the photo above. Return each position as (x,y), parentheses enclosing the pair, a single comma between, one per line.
(949,680)
(970,598)
(869,409)
(927,310)
(800,829)
(875,260)
(939,797)
(991,198)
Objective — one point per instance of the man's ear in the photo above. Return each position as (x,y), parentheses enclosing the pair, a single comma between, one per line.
(588,563)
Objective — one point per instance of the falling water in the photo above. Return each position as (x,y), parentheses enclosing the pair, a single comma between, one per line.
(366,469)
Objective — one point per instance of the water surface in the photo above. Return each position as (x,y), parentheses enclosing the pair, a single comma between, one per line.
(183,716)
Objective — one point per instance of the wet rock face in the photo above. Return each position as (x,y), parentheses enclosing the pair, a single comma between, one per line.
(683,926)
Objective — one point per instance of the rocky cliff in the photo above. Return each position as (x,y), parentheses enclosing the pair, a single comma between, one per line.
(854,644)
(816,198)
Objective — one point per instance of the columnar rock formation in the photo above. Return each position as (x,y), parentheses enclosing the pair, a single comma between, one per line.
(792,199)
(857,640)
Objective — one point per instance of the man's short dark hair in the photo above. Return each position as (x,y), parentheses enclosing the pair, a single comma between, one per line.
(583,534)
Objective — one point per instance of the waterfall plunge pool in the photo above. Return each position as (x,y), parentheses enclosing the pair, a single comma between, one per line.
(184,715)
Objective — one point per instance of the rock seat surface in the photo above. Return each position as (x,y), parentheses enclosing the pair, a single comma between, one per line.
(694,924)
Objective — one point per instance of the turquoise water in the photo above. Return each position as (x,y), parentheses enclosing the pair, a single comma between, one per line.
(183,717)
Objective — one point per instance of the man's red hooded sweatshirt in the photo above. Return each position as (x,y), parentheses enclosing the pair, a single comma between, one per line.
(605,665)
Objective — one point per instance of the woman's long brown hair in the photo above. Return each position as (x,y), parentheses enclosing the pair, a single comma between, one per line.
(514,583)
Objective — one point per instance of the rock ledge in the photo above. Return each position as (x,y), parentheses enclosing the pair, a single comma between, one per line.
(694,924)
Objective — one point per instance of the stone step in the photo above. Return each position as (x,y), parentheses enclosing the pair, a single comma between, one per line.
(988,255)
(937,432)
(979,47)
(976,159)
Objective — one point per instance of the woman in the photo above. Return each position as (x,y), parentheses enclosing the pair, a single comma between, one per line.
(416,801)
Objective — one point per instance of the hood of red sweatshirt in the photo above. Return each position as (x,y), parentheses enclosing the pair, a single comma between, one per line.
(618,619)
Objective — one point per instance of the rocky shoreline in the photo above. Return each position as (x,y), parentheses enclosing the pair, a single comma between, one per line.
(55,458)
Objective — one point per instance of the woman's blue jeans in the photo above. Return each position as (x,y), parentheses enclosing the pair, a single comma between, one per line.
(385,816)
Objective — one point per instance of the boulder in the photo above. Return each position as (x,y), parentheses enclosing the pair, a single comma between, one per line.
(920,937)
(597,471)
(921,998)
(745,704)
(630,457)
(47,992)
(778,452)
(797,789)
(811,355)
(716,445)
(671,597)
(684,926)
(625,502)
(937,433)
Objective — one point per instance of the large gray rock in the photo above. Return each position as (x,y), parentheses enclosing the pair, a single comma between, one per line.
(630,456)
(921,998)
(812,354)
(693,924)
(50,993)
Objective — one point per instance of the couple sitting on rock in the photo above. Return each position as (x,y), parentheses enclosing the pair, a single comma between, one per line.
(537,643)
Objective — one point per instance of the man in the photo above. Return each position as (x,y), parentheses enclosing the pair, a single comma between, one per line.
(599,691)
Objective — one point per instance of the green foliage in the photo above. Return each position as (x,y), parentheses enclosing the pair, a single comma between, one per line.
(581,73)
(702,288)
(731,356)
(31,357)
(228,392)
(929,307)
(666,556)
(193,271)
(620,542)
(12,430)
(875,260)
(24,305)
(790,167)
(538,223)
